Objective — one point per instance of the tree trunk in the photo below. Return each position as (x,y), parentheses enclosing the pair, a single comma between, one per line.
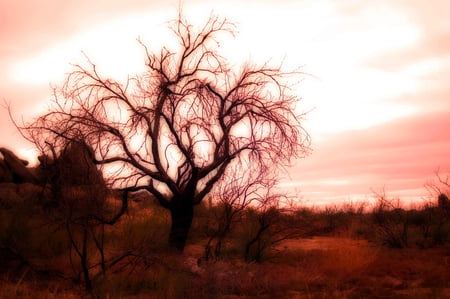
(84,261)
(182,216)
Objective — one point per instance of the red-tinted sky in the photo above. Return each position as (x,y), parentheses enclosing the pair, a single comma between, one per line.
(379,93)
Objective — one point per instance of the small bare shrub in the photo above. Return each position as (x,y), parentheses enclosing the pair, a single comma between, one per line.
(391,222)
(268,225)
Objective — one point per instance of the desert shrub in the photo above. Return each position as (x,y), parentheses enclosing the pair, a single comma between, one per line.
(438,231)
(440,227)
(396,227)
(335,219)
(263,230)
(221,224)
(392,227)
(429,226)
(391,223)
(255,235)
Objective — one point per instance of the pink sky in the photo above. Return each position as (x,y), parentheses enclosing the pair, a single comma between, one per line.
(379,95)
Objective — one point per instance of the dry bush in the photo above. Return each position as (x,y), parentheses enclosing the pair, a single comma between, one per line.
(396,227)
(391,222)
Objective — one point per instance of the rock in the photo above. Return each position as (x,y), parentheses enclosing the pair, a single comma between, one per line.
(70,179)
(73,166)
(5,173)
(14,167)
(76,185)
(192,264)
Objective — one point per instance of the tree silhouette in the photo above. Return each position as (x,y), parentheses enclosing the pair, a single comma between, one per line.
(178,128)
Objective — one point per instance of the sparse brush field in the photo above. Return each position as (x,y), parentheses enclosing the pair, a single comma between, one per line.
(343,252)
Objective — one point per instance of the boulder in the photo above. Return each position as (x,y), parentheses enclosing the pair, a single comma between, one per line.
(5,172)
(14,169)
(73,166)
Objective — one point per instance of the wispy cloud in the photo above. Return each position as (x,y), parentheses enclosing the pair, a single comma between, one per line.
(399,155)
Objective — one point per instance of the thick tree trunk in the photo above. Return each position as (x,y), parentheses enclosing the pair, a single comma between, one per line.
(182,216)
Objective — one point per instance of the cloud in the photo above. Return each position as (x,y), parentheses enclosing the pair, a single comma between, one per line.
(399,155)
(433,47)
(26,25)
(433,43)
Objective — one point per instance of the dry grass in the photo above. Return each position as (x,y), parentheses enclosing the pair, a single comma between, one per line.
(344,269)
(39,289)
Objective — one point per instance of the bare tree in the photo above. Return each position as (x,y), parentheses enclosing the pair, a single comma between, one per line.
(175,129)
